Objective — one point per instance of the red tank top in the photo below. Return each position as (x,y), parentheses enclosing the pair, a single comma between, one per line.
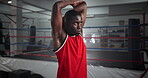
(72,58)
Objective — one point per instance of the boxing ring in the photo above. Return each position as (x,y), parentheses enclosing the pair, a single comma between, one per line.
(109,54)
(97,67)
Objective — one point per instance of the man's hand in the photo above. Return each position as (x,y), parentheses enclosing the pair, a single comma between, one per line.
(77,2)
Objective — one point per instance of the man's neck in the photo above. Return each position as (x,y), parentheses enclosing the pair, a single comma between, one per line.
(73,35)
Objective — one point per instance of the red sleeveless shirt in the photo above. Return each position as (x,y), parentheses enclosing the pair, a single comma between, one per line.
(72,58)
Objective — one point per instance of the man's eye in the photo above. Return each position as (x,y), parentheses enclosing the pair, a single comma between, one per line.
(74,23)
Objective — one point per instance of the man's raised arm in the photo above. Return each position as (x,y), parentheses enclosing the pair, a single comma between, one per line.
(56,21)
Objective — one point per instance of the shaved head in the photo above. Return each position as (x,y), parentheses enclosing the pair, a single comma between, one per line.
(69,14)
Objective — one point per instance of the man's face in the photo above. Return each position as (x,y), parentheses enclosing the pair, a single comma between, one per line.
(74,25)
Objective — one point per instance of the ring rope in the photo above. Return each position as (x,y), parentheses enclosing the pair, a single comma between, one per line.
(83,27)
(87,48)
(83,37)
(116,49)
(87,59)
(116,60)
(29,54)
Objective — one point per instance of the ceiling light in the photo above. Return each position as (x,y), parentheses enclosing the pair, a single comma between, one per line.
(9,1)
(90,15)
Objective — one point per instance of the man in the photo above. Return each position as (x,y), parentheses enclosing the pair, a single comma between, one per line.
(67,40)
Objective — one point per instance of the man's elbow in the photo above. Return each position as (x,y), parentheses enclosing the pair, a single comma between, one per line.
(84,4)
(57,4)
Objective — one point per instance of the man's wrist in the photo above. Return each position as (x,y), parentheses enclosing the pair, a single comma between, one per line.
(75,3)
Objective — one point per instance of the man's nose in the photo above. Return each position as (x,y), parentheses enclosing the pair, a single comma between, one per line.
(79,26)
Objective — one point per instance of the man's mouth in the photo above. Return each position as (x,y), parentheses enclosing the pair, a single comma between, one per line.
(79,30)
